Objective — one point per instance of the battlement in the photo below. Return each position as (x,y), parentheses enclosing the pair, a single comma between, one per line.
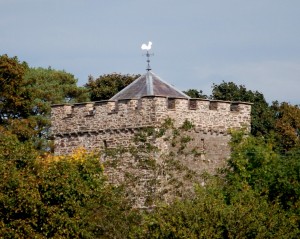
(207,115)
(149,102)
(109,124)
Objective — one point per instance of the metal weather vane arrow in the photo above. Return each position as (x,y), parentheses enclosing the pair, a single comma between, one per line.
(147,48)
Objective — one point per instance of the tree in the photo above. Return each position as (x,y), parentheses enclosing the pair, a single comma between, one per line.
(256,196)
(12,149)
(46,87)
(211,215)
(106,86)
(193,93)
(26,95)
(53,87)
(13,96)
(15,99)
(255,163)
(61,197)
(287,126)
(262,116)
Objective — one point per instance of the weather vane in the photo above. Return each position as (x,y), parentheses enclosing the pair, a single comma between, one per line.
(147,48)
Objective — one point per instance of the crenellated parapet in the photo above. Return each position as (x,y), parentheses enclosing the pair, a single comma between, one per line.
(157,163)
(107,125)
(206,115)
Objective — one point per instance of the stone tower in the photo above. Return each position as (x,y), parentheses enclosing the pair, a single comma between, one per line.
(147,103)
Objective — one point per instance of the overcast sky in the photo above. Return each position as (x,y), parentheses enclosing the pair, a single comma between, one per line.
(196,43)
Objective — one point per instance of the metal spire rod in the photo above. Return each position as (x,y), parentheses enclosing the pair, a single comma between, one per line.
(148,60)
(147,48)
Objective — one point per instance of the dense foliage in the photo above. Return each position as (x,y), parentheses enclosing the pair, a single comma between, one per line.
(280,121)
(210,215)
(257,194)
(287,126)
(106,86)
(26,95)
(262,119)
(60,197)
(12,83)
(193,93)
(254,163)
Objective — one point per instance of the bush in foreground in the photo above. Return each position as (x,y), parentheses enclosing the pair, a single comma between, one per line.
(65,197)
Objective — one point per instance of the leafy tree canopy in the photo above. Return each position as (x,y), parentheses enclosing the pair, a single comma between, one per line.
(46,87)
(54,86)
(61,197)
(257,196)
(255,163)
(287,125)
(106,86)
(13,96)
(193,93)
(262,116)
(26,95)
(210,215)
(12,149)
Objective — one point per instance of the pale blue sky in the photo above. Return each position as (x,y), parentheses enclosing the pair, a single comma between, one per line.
(195,42)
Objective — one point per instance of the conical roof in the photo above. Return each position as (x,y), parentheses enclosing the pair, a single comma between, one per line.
(148,84)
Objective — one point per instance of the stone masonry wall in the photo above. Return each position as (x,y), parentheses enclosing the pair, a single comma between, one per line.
(96,125)
(183,155)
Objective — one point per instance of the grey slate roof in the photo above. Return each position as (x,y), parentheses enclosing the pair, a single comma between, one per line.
(148,84)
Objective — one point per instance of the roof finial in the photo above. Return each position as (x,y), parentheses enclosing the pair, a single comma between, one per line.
(147,48)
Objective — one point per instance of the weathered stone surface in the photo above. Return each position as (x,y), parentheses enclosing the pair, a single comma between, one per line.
(109,124)
(90,124)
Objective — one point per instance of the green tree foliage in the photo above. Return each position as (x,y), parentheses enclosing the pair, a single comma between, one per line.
(287,126)
(254,163)
(210,215)
(46,87)
(13,96)
(193,93)
(53,87)
(262,116)
(106,86)
(68,197)
(26,95)
(12,149)
(257,196)
(15,99)
(60,197)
